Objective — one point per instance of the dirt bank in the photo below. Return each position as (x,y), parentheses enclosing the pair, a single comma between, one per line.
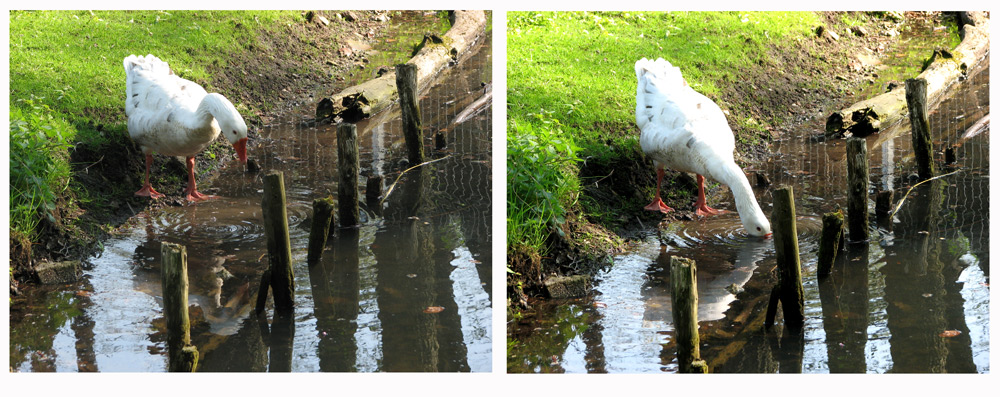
(324,52)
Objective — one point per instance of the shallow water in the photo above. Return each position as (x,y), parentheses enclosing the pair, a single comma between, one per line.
(360,309)
(885,308)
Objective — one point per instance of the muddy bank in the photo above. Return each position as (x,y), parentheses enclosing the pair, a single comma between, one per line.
(325,51)
(827,70)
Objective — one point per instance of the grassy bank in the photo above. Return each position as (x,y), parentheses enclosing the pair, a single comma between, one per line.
(73,167)
(573,152)
(67,86)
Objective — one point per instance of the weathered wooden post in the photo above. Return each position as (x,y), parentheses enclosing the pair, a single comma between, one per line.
(857,189)
(279,249)
(916,102)
(373,190)
(829,243)
(786,246)
(684,295)
(406,85)
(182,357)
(322,218)
(949,156)
(348,166)
(883,203)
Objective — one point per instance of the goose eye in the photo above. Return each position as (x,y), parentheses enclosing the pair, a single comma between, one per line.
(758,228)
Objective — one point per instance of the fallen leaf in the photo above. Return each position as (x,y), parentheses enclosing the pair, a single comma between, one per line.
(600,304)
(950,333)
(411,275)
(928,295)
(433,309)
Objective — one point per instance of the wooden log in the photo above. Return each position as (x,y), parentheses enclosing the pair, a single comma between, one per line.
(373,96)
(857,189)
(829,243)
(684,295)
(406,84)
(322,218)
(916,102)
(875,114)
(279,249)
(173,268)
(348,166)
(789,290)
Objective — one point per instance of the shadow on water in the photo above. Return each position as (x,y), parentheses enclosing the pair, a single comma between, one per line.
(363,308)
(915,298)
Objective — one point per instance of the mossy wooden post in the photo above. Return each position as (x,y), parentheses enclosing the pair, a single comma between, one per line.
(829,243)
(883,203)
(182,357)
(406,85)
(857,189)
(786,248)
(322,218)
(348,166)
(279,249)
(916,103)
(684,288)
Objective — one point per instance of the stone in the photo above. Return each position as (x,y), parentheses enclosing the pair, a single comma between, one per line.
(58,272)
(563,287)
(859,31)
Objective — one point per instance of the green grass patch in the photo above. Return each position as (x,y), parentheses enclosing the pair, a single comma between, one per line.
(39,172)
(577,69)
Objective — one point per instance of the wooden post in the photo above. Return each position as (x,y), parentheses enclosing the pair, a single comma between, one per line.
(406,85)
(373,191)
(829,243)
(883,203)
(322,218)
(279,249)
(786,246)
(440,141)
(916,102)
(857,189)
(684,291)
(348,166)
(949,155)
(182,357)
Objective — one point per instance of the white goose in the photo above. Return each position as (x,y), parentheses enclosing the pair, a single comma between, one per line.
(176,117)
(686,131)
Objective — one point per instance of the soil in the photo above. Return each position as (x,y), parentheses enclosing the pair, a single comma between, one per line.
(283,71)
(782,93)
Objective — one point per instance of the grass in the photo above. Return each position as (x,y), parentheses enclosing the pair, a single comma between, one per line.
(577,69)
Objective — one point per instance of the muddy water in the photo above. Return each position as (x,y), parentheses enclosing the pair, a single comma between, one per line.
(915,298)
(427,245)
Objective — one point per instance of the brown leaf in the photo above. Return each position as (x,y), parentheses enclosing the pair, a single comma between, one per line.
(433,309)
(950,333)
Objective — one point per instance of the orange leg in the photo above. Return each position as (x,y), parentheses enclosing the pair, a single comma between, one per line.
(701,206)
(147,189)
(191,192)
(657,204)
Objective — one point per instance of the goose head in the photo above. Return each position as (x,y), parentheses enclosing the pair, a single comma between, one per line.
(755,223)
(235,130)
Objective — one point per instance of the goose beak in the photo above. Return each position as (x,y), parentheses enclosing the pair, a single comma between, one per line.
(241,150)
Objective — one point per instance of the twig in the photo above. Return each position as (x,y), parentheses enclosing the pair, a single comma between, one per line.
(393,185)
(900,203)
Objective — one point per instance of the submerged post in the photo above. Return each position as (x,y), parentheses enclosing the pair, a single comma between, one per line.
(279,249)
(786,247)
(684,295)
(182,357)
(916,102)
(406,85)
(322,218)
(829,243)
(348,167)
(857,189)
